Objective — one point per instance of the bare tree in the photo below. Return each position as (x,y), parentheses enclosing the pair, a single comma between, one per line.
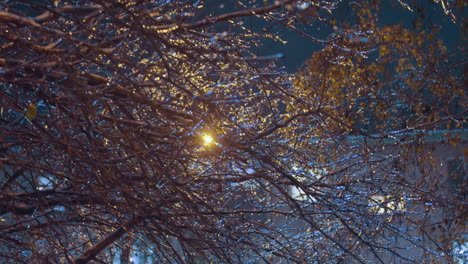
(143,128)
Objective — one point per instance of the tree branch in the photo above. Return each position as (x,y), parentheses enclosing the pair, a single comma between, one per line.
(225,17)
(104,243)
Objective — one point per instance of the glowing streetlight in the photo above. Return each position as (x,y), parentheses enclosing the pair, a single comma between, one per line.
(207,139)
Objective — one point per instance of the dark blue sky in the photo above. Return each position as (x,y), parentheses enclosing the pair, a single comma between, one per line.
(298,48)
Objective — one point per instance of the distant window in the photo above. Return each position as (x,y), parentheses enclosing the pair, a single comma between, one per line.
(304,176)
(381,204)
(298,194)
(45,183)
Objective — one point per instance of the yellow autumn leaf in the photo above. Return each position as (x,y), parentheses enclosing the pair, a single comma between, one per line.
(31,111)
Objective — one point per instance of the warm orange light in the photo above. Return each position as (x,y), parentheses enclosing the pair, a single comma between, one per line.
(207,139)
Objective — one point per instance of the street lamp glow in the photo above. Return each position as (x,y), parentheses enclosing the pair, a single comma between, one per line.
(207,139)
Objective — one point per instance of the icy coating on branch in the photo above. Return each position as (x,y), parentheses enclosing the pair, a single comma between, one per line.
(161,132)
